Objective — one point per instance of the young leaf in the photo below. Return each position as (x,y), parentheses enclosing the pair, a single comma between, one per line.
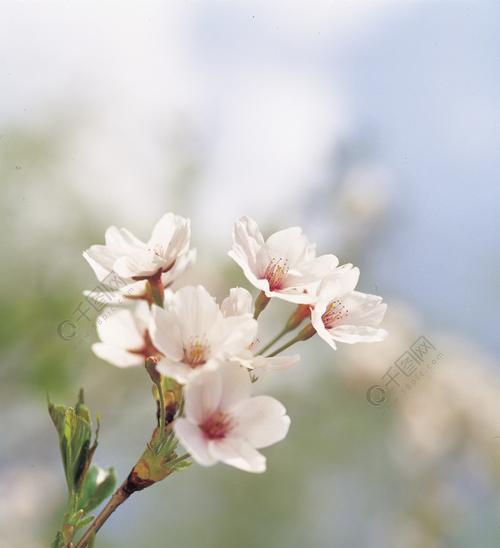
(98,485)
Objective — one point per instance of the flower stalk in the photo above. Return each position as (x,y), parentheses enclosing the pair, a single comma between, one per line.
(303,335)
(260,303)
(155,290)
(157,462)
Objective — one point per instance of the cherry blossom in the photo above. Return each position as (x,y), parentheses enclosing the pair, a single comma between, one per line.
(283,266)
(224,423)
(192,332)
(125,341)
(345,315)
(132,259)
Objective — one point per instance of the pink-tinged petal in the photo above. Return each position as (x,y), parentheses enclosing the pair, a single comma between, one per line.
(236,385)
(165,333)
(311,273)
(193,439)
(164,229)
(276,363)
(292,295)
(117,356)
(260,420)
(139,262)
(235,334)
(250,271)
(177,370)
(342,281)
(142,316)
(121,238)
(118,328)
(238,302)
(171,236)
(290,244)
(119,296)
(247,241)
(203,395)
(238,453)
(196,311)
(364,309)
(317,322)
(181,265)
(101,259)
(352,334)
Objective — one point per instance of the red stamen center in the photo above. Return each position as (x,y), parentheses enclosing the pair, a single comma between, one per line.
(334,313)
(275,273)
(217,426)
(196,353)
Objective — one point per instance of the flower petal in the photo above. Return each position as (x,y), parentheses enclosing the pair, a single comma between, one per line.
(139,262)
(275,363)
(196,311)
(121,238)
(165,333)
(238,453)
(194,441)
(261,420)
(117,356)
(236,385)
(238,302)
(171,235)
(234,335)
(364,309)
(177,370)
(119,328)
(290,244)
(351,334)
(101,259)
(203,395)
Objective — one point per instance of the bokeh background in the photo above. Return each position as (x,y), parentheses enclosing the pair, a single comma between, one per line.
(373,125)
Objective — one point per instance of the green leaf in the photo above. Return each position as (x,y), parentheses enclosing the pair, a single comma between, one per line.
(75,432)
(58,541)
(98,485)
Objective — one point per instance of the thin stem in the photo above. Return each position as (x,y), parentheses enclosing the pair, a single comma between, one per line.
(157,290)
(118,498)
(162,410)
(260,303)
(281,334)
(285,346)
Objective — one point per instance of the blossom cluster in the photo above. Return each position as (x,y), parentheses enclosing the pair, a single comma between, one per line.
(210,351)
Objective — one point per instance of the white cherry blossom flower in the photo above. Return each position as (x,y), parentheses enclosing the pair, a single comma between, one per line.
(345,315)
(223,423)
(192,333)
(114,291)
(239,303)
(283,266)
(124,336)
(132,259)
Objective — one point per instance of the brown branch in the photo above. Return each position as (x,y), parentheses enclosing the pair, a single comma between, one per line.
(118,498)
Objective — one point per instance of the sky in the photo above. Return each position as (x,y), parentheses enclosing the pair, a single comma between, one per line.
(260,94)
